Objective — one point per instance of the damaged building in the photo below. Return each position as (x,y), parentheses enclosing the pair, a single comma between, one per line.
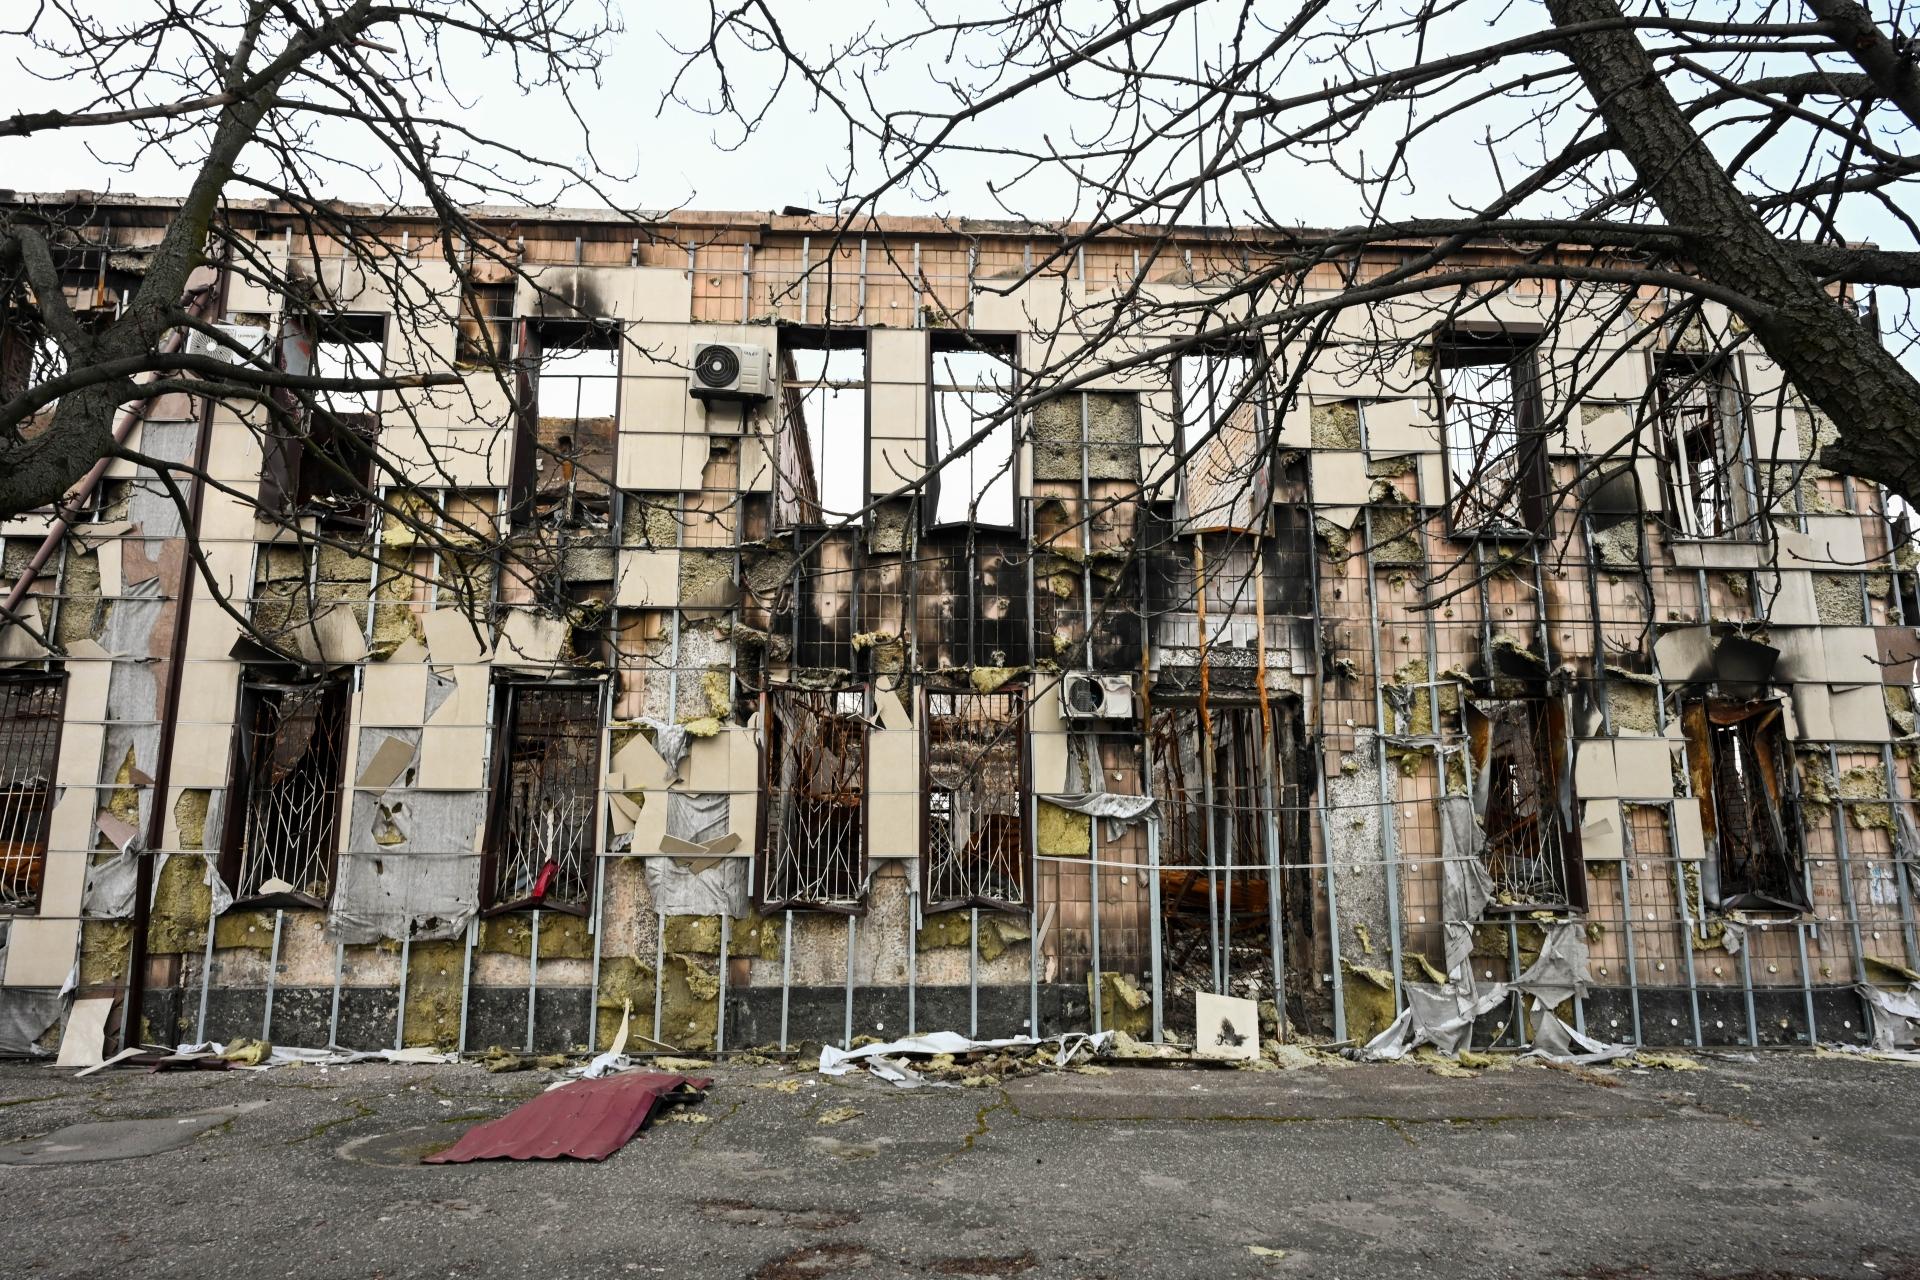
(775,639)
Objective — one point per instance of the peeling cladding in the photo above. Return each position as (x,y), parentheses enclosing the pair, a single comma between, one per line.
(823,767)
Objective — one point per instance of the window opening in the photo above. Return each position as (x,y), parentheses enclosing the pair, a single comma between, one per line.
(972,390)
(31,704)
(1756,852)
(972,605)
(563,469)
(976,833)
(823,455)
(486,323)
(1522,790)
(814,829)
(282,827)
(540,850)
(1700,449)
(1496,467)
(325,466)
(1222,432)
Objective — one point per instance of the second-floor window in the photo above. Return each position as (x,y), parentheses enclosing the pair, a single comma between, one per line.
(284,799)
(1490,416)
(972,391)
(1701,442)
(823,436)
(563,460)
(321,462)
(1222,434)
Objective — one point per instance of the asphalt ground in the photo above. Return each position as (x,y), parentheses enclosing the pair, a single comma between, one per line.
(1769,1165)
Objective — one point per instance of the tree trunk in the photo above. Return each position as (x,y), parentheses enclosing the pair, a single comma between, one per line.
(1827,353)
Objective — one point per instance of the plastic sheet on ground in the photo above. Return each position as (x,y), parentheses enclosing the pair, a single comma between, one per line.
(288,1056)
(1896,1017)
(888,1061)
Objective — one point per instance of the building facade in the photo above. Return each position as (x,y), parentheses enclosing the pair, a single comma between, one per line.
(1506,659)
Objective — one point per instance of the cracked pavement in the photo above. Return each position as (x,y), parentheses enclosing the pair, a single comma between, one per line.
(1771,1165)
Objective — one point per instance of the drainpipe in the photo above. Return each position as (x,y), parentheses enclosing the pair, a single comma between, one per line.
(170,705)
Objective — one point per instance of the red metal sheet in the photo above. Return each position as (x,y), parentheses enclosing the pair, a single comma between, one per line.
(585,1120)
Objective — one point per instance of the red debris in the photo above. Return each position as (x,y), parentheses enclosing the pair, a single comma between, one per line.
(585,1120)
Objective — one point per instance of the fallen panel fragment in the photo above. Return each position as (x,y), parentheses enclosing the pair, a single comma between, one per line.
(584,1120)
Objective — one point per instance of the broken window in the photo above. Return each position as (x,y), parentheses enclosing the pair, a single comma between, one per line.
(545,770)
(976,828)
(284,808)
(323,466)
(31,703)
(971,609)
(485,337)
(563,455)
(823,436)
(1496,455)
(972,390)
(1702,457)
(1523,793)
(814,827)
(1226,482)
(1756,855)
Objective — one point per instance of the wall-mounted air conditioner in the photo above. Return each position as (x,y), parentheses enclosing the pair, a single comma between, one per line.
(730,371)
(1087,696)
(254,338)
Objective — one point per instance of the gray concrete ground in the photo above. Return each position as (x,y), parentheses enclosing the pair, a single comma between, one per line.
(1781,1165)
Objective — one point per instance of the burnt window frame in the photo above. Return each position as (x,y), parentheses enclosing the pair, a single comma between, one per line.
(336,691)
(530,346)
(793,510)
(1732,444)
(1704,721)
(771,742)
(1548,731)
(298,468)
(956,556)
(55,683)
(507,692)
(1517,347)
(1260,476)
(477,319)
(1019,722)
(1000,345)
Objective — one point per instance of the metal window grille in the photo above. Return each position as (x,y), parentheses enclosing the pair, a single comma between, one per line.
(976,829)
(291,752)
(814,762)
(1527,852)
(30,711)
(546,765)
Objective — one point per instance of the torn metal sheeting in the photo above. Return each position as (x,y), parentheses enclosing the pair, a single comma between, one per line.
(839,1062)
(583,1120)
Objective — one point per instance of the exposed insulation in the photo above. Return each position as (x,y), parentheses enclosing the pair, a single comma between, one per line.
(1062,832)
(948,929)
(182,902)
(624,980)
(563,935)
(689,1003)
(1335,425)
(1123,1005)
(104,945)
(435,976)
(248,930)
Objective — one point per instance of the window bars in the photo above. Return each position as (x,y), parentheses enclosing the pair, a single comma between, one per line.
(1489,415)
(814,827)
(30,711)
(1700,444)
(976,828)
(287,775)
(540,846)
(1530,850)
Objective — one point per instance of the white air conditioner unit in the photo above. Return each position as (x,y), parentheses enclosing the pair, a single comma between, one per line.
(730,371)
(1086,696)
(252,337)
